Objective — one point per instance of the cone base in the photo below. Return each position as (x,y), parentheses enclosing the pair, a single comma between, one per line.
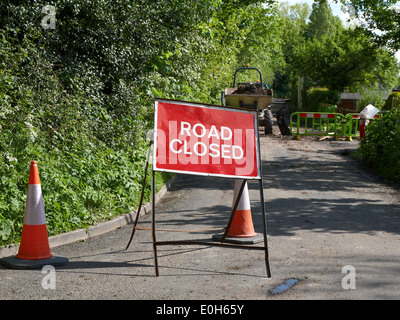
(13,262)
(239,240)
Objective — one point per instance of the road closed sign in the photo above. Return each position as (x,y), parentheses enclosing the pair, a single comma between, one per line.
(207,140)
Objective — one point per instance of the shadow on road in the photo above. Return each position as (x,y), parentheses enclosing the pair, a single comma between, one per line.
(321,195)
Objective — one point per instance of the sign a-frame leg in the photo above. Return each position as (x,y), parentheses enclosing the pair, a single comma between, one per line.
(153,224)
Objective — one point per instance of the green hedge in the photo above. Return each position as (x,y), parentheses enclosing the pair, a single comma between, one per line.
(75,100)
(315,96)
(389,101)
(79,98)
(90,164)
(380,150)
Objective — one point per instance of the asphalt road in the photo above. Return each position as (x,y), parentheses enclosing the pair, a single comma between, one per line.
(333,230)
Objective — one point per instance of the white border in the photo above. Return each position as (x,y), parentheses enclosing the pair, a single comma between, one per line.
(199,105)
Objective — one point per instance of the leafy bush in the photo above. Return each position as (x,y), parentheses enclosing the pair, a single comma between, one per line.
(389,101)
(78,113)
(380,150)
(79,99)
(315,96)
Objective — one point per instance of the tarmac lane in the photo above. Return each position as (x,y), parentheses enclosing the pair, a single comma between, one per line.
(333,233)
(101,268)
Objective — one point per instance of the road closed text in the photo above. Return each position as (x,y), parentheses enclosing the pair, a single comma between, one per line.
(200,148)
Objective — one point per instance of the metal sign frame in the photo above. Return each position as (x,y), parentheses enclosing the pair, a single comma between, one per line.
(221,242)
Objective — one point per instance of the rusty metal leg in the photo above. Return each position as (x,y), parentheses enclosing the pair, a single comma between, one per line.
(265,228)
(153,223)
(141,196)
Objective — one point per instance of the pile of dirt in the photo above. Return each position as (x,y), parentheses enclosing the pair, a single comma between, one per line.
(250,88)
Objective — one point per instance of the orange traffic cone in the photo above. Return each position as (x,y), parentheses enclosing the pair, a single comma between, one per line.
(34,249)
(34,243)
(242,223)
(242,228)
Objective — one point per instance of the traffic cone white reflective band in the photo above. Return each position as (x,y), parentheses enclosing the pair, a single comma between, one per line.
(242,223)
(34,210)
(244,202)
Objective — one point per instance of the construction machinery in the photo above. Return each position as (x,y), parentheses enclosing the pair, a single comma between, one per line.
(254,95)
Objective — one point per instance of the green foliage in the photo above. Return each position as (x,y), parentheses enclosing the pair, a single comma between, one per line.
(345,60)
(374,97)
(79,99)
(392,101)
(315,96)
(382,15)
(322,21)
(327,54)
(380,151)
(293,21)
(85,179)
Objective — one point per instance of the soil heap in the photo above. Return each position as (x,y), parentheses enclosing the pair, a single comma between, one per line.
(252,89)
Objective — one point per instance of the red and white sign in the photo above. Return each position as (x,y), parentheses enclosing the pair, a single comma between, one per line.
(207,140)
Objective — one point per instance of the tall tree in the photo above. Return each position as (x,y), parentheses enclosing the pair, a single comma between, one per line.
(293,19)
(322,21)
